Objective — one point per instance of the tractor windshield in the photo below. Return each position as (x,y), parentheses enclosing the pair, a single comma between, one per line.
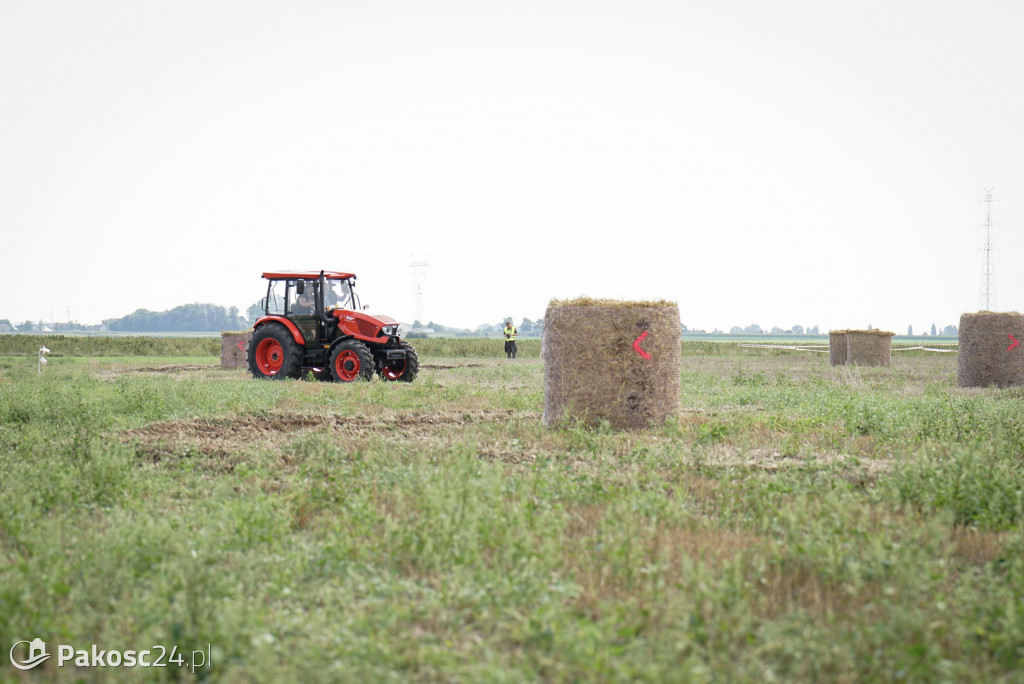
(339,295)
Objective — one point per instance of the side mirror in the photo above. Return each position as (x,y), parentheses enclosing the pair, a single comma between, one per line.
(300,286)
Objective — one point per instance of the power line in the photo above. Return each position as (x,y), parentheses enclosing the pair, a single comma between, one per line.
(419,270)
(988,291)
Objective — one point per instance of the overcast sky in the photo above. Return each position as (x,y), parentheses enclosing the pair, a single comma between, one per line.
(779,163)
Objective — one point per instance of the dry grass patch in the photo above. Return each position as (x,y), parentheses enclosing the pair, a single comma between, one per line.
(975,546)
(648,564)
(798,585)
(224,437)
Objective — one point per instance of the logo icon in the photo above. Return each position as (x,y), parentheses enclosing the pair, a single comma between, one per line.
(36,654)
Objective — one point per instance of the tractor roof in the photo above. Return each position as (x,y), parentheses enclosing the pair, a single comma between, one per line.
(306,275)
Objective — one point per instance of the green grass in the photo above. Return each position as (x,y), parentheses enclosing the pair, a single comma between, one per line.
(466,347)
(796,523)
(95,345)
(143,345)
(448,347)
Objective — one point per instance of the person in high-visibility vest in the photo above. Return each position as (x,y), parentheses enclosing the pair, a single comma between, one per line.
(510,339)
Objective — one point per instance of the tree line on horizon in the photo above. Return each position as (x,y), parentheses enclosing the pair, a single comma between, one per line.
(948,331)
(185,318)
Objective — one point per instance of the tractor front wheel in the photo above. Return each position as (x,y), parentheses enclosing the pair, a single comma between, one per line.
(273,353)
(351,360)
(405,369)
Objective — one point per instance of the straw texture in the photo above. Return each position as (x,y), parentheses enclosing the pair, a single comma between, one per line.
(592,371)
(837,347)
(862,347)
(230,355)
(985,358)
(869,347)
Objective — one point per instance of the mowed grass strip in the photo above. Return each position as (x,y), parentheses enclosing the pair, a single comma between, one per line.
(796,522)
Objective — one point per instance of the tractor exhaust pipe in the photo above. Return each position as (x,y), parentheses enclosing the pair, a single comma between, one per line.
(321,311)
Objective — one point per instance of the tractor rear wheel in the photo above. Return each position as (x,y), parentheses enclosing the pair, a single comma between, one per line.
(351,360)
(405,369)
(273,353)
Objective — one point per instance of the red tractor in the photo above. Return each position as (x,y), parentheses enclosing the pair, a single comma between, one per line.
(313,322)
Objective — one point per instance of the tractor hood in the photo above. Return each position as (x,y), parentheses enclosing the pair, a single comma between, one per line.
(364,326)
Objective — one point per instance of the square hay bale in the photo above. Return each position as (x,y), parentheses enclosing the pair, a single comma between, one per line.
(593,370)
(987,353)
(869,347)
(837,347)
(232,348)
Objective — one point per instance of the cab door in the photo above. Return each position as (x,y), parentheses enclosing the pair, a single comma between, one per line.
(302,309)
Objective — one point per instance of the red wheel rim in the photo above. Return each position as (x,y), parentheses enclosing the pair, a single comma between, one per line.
(393,372)
(269,356)
(346,365)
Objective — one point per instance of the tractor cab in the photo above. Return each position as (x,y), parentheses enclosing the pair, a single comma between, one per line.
(304,300)
(320,319)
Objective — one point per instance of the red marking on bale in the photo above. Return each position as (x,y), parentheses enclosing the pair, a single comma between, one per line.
(636,345)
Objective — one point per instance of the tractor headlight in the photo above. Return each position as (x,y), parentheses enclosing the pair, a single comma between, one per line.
(389,330)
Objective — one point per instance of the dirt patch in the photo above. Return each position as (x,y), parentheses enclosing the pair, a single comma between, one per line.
(504,454)
(172,369)
(112,373)
(224,437)
(856,470)
(437,366)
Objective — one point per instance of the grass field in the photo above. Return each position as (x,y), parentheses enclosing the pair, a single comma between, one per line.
(796,523)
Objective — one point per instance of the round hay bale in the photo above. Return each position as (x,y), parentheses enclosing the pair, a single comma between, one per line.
(869,347)
(232,348)
(986,357)
(593,371)
(837,347)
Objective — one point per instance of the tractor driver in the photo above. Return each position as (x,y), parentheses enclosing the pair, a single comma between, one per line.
(303,303)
